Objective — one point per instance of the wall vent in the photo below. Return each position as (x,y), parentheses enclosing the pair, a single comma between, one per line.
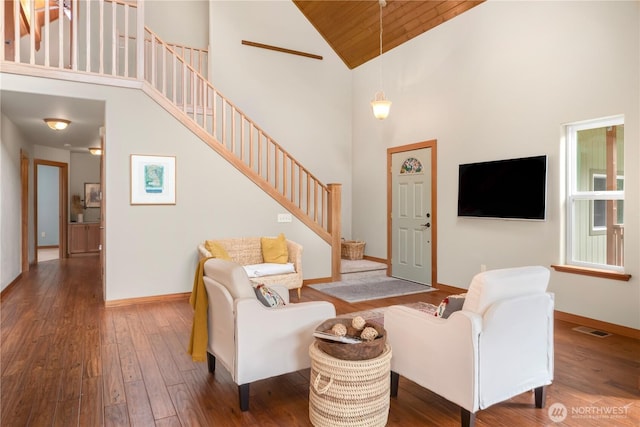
(590,331)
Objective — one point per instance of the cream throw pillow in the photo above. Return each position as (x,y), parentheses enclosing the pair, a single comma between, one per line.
(216,250)
(274,250)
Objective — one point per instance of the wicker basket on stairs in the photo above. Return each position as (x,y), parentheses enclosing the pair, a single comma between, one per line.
(352,249)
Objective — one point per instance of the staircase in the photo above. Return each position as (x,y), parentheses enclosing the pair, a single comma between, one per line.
(131,52)
(359,269)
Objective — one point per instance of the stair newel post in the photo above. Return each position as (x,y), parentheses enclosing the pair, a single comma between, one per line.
(140,41)
(334,225)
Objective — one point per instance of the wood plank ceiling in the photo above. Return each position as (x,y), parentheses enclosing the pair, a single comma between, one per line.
(352,28)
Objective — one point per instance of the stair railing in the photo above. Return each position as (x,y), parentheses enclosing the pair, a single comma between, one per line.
(230,132)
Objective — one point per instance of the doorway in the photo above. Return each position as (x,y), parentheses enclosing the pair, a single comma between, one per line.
(50,207)
(411,216)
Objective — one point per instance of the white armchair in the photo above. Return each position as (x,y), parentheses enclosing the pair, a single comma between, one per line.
(255,342)
(499,345)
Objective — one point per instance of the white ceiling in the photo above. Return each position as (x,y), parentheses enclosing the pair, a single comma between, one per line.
(28,111)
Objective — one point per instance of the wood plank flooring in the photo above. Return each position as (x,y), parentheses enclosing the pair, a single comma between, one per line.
(66,360)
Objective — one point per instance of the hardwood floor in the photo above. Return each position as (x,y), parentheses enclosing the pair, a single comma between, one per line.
(66,360)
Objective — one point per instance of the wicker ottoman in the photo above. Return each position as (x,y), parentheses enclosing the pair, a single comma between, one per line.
(349,392)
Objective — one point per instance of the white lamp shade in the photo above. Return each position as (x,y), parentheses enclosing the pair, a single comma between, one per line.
(380,106)
(57,124)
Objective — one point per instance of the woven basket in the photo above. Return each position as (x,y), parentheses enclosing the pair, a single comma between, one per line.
(349,393)
(352,249)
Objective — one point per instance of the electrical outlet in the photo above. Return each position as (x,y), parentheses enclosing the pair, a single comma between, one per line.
(483,267)
(285,217)
(43,234)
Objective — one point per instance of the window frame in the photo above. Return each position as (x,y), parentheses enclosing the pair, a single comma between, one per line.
(598,229)
(573,195)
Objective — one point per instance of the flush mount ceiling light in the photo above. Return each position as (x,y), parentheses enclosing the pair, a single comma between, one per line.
(96,151)
(380,104)
(57,124)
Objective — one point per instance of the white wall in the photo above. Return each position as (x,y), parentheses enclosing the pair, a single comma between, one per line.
(151,250)
(12,141)
(303,103)
(498,82)
(184,22)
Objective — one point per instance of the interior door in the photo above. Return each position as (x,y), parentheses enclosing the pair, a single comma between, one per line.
(412,215)
(62,190)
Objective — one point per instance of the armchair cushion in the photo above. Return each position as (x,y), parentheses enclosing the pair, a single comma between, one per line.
(490,286)
(268,297)
(269,269)
(274,250)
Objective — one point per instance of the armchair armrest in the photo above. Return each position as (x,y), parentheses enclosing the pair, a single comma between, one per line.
(274,341)
(422,344)
(295,254)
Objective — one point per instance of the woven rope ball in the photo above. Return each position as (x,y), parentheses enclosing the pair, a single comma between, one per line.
(369,334)
(339,330)
(358,323)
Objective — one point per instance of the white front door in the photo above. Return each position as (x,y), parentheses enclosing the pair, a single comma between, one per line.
(411,216)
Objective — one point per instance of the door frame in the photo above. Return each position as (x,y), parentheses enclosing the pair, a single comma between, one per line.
(434,207)
(63,188)
(24,207)
(103,211)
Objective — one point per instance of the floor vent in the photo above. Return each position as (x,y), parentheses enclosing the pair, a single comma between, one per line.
(591,331)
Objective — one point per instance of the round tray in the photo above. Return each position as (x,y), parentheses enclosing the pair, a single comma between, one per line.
(359,351)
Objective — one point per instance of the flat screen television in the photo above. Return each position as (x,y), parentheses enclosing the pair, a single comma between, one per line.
(510,189)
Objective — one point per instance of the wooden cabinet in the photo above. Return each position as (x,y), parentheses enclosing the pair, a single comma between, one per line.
(84,238)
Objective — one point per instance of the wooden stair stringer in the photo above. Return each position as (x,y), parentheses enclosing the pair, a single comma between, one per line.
(217,146)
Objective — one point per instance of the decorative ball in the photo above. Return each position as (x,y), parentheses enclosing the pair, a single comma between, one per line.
(339,330)
(369,334)
(358,322)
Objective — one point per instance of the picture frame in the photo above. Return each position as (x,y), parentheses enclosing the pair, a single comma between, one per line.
(153,180)
(92,195)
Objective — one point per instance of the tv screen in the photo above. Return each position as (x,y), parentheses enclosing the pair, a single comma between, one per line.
(513,189)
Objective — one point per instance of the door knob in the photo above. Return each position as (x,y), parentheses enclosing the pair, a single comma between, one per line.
(426,225)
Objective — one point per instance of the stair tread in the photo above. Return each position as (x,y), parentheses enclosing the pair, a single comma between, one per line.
(361,265)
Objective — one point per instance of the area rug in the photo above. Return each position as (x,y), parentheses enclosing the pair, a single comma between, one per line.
(376,315)
(371,288)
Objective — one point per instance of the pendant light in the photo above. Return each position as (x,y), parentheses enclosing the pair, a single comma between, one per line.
(380,104)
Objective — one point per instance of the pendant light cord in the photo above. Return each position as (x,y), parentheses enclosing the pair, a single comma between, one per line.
(380,2)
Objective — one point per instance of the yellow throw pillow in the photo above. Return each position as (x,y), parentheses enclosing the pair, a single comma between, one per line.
(216,250)
(275,250)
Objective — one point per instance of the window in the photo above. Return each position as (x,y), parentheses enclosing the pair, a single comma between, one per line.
(595,194)
(599,211)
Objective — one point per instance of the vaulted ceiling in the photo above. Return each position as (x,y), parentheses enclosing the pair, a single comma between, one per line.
(352,28)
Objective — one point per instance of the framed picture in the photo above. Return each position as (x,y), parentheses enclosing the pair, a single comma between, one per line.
(153,180)
(92,195)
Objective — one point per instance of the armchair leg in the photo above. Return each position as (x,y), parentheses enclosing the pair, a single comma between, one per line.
(243,393)
(395,379)
(299,293)
(541,396)
(467,418)
(211,362)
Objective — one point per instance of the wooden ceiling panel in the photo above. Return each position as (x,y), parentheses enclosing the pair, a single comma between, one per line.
(352,28)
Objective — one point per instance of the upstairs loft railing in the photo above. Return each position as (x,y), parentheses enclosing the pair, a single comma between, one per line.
(101,38)
(84,38)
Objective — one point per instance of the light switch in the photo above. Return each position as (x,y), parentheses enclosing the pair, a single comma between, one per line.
(284,217)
